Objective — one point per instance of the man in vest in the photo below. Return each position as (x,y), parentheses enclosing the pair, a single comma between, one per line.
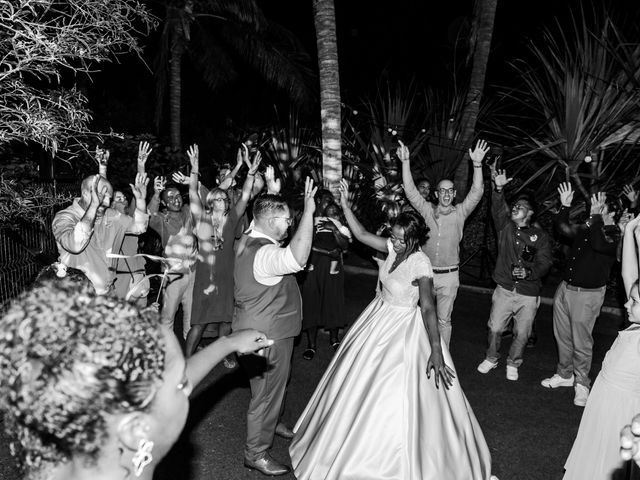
(267,297)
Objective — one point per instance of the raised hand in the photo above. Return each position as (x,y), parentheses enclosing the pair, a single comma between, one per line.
(194,158)
(180,178)
(273,185)
(159,184)
(243,153)
(144,149)
(631,194)
(566,194)
(403,152)
(441,370)
(344,194)
(97,193)
(479,152)
(500,179)
(632,224)
(598,201)
(625,218)
(139,189)
(255,164)
(102,156)
(309,196)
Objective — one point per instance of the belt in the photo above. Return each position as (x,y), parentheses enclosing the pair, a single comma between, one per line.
(582,289)
(445,270)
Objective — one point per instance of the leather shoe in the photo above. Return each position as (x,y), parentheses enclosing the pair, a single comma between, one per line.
(283,431)
(267,466)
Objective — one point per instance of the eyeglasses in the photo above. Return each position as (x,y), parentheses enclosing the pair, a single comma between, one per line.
(289,220)
(401,241)
(219,199)
(443,191)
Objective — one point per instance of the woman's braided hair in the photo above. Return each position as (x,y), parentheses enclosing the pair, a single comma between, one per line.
(69,358)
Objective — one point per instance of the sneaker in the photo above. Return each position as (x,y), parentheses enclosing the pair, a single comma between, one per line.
(557,381)
(486,366)
(512,373)
(582,393)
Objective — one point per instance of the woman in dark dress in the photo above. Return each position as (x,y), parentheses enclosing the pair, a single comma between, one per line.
(323,288)
(216,224)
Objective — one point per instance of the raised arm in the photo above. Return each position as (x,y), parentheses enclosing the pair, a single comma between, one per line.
(227,181)
(477,186)
(247,187)
(300,244)
(561,220)
(102,157)
(629,254)
(140,216)
(195,203)
(499,208)
(599,242)
(368,238)
(411,192)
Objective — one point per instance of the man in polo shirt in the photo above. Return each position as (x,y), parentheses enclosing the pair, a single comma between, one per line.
(446,224)
(580,295)
(88,229)
(524,257)
(267,295)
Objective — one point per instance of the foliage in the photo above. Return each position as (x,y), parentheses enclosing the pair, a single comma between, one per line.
(580,100)
(220,37)
(28,204)
(42,42)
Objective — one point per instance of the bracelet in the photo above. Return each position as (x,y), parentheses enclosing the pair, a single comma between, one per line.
(249,174)
(498,190)
(477,166)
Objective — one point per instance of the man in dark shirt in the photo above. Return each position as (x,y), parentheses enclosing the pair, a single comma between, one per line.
(580,295)
(524,257)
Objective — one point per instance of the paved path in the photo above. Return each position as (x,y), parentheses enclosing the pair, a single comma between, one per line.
(529,429)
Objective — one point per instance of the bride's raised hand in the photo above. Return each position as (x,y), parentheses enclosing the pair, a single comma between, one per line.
(441,369)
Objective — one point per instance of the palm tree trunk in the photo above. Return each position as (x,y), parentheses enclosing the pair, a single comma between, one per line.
(484,16)
(326,39)
(175,97)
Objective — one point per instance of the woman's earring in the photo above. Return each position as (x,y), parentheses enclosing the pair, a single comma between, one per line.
(142,457)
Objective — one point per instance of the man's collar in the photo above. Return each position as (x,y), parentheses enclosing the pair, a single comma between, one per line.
(257,234)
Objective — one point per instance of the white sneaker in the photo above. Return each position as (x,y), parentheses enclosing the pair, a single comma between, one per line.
(557,381)
(486,366)
(582,393)
(512,373)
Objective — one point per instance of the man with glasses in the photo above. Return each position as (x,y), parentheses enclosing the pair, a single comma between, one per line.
(446,224)
(580,295)
(267,297)
(524,257)
(174,225)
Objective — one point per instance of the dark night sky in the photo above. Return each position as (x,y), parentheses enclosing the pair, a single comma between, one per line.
(404,38)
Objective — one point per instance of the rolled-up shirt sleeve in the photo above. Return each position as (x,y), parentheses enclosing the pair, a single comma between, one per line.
(272,262)
(139,224)
(72,234)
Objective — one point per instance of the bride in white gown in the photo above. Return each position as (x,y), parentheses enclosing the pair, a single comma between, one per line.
(376,413)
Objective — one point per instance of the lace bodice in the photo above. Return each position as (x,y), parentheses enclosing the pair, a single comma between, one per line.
(397,287)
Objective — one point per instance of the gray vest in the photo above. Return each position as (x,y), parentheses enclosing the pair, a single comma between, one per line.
(275,310)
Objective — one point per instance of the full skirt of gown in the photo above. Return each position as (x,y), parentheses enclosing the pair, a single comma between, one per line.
(614,400)
(376,415)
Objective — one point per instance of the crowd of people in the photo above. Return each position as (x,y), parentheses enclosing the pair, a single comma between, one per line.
(95,377)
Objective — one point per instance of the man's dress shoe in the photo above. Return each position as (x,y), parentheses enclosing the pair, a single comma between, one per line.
(267,466)
(283,431)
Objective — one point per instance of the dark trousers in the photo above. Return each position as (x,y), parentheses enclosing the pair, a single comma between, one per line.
(268,377)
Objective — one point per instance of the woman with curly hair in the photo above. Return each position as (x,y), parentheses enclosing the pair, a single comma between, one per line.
(93,388)
(375,413)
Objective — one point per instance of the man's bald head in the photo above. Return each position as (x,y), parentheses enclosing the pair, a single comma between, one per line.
(103,188)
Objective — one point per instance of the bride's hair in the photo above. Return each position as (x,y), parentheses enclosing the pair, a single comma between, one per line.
(415,229)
